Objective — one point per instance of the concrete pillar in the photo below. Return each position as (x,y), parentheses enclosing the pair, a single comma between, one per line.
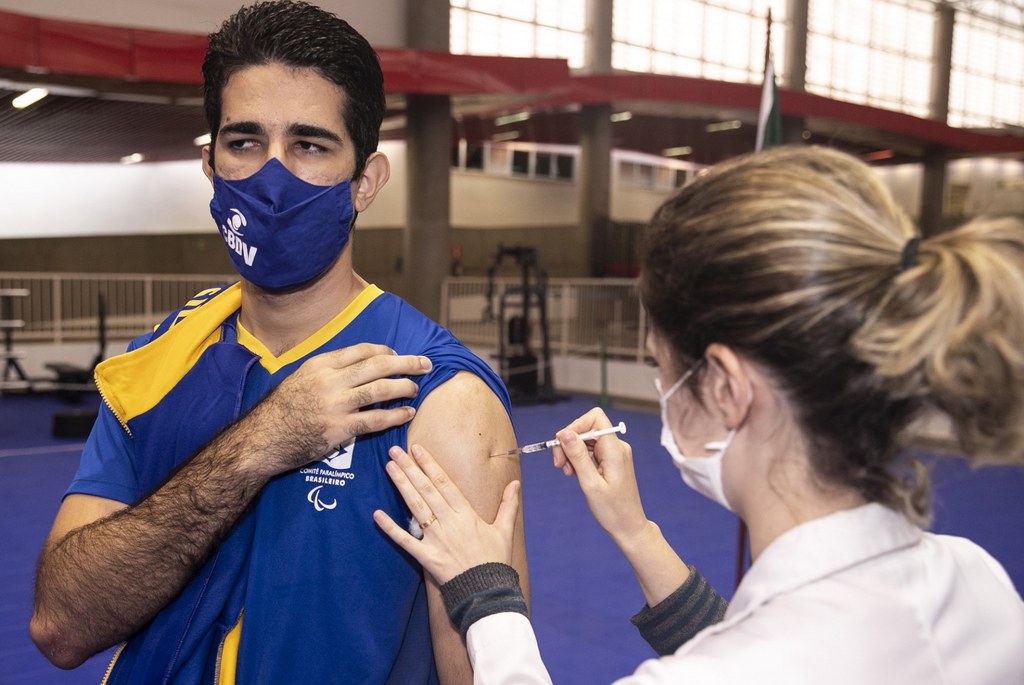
(942,61)
(598,49)
(933,176)
(426,24)
(796,45)
(795,77)
(426,246)
(594,173)
(426,253)
(933,191)
(594,179)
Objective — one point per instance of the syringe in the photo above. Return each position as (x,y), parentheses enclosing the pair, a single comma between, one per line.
(548,444)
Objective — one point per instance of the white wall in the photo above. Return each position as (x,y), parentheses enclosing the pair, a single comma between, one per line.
(38,355)
(904,182)
(636,204)
(994,186)
(480,200)
(58,200)
(55,200)
(381,22)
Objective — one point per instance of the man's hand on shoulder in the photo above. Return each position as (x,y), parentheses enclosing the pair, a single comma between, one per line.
(321,405)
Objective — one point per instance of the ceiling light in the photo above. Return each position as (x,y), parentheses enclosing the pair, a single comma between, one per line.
(723,126)
(51,88)
(621,116)
(511,118)
(677,151)
(136,97)
(202,140)
(133,158)
(503,137)
(29,97)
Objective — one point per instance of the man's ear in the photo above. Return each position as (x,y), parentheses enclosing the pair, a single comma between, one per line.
(376,173)
(208,163)
(732,384)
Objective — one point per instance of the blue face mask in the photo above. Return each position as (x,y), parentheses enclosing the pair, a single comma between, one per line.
(280,231)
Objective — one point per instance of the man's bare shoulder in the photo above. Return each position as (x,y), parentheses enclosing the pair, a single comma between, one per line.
(464,405)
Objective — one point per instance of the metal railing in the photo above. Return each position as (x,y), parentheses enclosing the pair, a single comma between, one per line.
(586,317)
(66,307)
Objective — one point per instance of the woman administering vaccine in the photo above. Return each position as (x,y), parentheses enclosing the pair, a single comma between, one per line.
(799,327)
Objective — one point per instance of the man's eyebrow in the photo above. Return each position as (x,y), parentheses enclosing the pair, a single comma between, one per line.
(249,128)
(310,131)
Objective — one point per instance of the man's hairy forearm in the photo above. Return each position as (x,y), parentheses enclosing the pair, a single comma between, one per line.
(102,582)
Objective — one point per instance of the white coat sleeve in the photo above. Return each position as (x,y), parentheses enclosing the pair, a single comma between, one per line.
(503,650)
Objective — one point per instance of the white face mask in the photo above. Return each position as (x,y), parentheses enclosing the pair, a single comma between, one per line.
(703,474)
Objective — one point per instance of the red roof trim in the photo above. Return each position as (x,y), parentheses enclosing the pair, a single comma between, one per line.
(67,47)
(142,55)
(682,89)
(442,73)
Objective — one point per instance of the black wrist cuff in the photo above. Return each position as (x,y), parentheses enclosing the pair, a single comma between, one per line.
(694,606)
(481,591)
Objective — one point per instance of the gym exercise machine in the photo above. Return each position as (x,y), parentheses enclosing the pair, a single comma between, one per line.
(527,378)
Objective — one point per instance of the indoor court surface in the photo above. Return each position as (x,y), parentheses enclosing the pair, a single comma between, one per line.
(583,592)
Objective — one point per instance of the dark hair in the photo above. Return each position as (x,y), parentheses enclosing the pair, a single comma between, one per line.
(792,257)
(297,34)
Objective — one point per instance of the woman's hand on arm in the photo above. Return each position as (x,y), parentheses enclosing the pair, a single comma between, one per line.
(606,476)
(461,423)
(457,539)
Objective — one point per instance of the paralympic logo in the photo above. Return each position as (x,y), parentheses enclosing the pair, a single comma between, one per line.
(314,498)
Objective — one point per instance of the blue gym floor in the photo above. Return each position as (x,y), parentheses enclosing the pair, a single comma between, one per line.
(583,592)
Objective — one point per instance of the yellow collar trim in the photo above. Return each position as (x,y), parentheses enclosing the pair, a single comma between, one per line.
(330,329)
(133,383)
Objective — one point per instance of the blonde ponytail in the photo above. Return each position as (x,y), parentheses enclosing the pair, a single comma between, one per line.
(950,331)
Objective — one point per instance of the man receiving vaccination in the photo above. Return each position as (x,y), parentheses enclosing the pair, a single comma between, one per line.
(220,523)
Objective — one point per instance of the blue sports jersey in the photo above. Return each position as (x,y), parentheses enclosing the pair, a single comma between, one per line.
(305,586)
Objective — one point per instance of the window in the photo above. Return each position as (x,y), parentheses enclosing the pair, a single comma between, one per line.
(531,160)
(713,39)
(565,166)
(876,53)
(873,52)
(986,84)
(651,172)
(474,156)
(543,164)
(519,28)
(521,162)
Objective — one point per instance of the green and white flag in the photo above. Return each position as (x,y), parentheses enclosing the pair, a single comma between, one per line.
(769,121)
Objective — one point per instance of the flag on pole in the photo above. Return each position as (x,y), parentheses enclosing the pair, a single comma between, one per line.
(769,134)
(769,121)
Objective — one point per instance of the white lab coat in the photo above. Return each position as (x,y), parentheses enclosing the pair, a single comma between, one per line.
(860,597)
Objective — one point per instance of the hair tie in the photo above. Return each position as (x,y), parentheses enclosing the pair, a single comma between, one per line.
(908,258)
